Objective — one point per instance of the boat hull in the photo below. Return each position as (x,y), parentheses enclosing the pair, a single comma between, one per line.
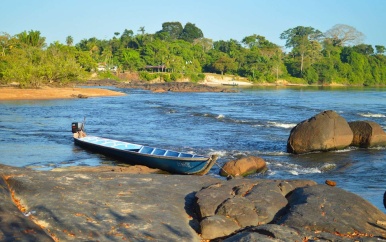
(177,165)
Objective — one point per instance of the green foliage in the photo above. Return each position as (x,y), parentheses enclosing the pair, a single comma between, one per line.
(178,52)
(31,66)
(311,76)
(143,75)
(32,38)
(175,76)
(195,77)
(107,75)
(191,32)
(170,30)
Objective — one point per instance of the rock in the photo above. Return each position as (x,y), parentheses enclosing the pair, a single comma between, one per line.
(367,134)
(79,96)
(82,96)
(103,205)
(269,233)
(211,197)
(330,183)
(247,202)
(100,206)
(332,210)
(287,187)
(247,236)
(15,226)
(217,226)
(244,166)
(174,87)
(245,215)
(323,132)
(135,169)
(158,90)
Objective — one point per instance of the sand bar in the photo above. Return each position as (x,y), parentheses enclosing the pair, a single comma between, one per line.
(53,93)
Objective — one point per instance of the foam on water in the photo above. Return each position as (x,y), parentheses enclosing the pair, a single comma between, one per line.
(293,169)
(281,125)
(372,115)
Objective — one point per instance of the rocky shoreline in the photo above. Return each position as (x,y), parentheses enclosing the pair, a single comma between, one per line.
(160,86)
(116,205)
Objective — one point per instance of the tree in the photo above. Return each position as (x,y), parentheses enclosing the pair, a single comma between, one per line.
(142,30)
(172,29)
(191,32)
(380,49)
(224,64)
(257,41)
(302,40)
(32,38)
(69,40)
(364,49)
(5,43)
(127,34)
(207,44)
(131,59)
(344,35)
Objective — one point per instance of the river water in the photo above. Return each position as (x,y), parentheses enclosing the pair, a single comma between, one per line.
(254,121)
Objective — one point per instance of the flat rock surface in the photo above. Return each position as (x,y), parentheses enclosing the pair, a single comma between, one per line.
(110,204)
(107,206)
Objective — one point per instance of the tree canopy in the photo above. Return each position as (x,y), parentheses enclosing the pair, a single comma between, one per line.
(175,51)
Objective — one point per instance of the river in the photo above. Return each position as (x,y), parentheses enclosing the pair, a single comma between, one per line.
(254,121)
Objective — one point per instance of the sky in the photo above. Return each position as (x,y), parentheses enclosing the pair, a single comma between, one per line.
(218,19)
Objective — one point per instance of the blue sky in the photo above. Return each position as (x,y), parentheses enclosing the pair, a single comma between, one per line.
(218,19)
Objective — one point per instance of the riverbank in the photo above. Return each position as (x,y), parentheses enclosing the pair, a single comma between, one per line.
(8,93)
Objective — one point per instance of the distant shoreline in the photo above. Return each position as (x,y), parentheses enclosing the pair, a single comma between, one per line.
(211,83)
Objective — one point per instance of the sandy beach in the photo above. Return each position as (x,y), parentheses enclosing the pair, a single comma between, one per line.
(216,80)
(53,93)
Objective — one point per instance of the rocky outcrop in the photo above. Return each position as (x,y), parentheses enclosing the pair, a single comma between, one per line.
(244,166)
(367,134)
(332,210)
(98,206)
(266,210)
(112,205)
(177,87)
(227,207)
(323,132)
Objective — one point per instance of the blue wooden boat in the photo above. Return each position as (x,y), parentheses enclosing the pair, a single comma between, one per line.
(167,160)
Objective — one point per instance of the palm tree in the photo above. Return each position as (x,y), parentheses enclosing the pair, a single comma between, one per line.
(32,38)
(69,40)
(142,30)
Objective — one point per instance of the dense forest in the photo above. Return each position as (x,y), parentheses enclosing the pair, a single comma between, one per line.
(309,57)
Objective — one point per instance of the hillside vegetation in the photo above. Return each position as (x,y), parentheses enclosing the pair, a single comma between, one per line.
(337,56)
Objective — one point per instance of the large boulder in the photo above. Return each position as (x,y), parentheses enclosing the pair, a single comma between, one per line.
(367,134)
(323,132)
(244,166)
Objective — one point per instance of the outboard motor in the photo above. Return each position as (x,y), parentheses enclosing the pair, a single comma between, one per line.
(76,127)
